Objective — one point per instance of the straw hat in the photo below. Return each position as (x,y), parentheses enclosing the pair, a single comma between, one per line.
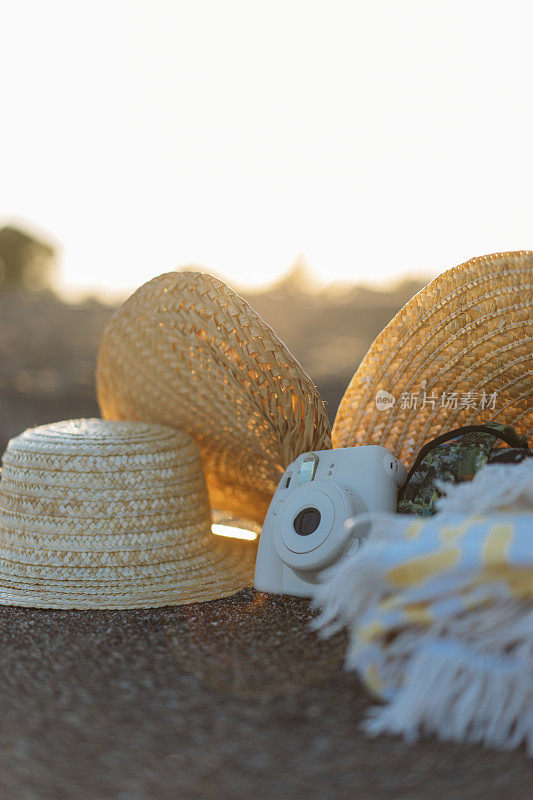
(188,352)
(98,514)
(458,353)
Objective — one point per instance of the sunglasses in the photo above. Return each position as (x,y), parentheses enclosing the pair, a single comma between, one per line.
(454,457)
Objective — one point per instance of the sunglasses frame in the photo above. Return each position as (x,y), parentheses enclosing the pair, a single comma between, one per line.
(506,434)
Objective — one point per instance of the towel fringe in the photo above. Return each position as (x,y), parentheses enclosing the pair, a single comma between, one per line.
(460,696)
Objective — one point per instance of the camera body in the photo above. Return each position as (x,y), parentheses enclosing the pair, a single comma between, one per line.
(307,527)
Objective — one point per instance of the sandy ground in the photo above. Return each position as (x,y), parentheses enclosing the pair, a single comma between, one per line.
(228,700)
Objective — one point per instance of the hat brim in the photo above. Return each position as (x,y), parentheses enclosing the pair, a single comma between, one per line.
(458,353)
(226,567)
(188,352)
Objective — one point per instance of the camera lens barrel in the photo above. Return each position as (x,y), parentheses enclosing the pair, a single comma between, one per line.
(307,521)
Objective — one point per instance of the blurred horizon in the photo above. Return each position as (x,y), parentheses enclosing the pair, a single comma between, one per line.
(299,275)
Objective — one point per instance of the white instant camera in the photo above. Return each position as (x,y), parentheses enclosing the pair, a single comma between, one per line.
(309,524)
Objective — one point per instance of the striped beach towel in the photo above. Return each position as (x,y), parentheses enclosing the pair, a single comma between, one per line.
(440,614)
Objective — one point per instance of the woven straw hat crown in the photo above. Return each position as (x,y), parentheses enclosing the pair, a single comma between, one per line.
(459,353)
(187,351)
(111,515)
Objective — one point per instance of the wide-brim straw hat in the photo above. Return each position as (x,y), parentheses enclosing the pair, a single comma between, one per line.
(459,353)
(187,351)
(98,514)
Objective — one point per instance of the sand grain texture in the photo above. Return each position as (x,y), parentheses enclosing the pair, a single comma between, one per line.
(233,699)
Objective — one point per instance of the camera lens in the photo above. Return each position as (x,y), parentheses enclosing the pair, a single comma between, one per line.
(307,521)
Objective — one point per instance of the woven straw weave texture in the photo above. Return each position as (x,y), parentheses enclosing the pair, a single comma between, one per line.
(98,514)
(187,351)
(468,332)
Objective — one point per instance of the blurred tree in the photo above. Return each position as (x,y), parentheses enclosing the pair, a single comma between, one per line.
(25,262)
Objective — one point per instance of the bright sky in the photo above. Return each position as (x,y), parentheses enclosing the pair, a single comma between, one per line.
(375,137)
